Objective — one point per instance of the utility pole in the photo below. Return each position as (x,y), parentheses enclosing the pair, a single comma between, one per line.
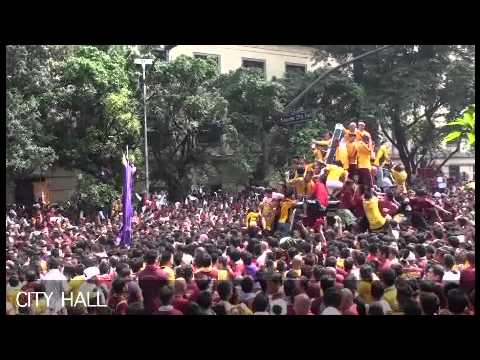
(144,63)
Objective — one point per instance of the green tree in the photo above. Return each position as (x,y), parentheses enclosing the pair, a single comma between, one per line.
(187,116)
(32,76)
(409,89)
(254,106)
(99,112)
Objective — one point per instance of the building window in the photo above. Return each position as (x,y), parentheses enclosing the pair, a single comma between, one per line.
(454,172)
(295,69)
(215,58)
(255,64)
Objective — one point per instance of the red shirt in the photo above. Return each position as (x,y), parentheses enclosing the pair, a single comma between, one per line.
(346,199)
(385,265)
(180,303)
(390,207)
(467,279)
(316,304)
(237,269)
(151,280)
(106,280)
(358,210)
(118,304)
(420,204)
(321,193)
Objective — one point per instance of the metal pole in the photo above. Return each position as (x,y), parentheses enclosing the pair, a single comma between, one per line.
(147,185)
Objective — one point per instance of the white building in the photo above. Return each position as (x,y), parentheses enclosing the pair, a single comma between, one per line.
(463,162)
(274,60)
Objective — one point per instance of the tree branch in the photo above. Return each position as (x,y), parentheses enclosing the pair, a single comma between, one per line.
(388,136)
(450,155)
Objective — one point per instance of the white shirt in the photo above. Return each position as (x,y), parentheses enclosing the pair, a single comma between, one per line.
(451,276)
(55,285)
(187,259)
(331,311)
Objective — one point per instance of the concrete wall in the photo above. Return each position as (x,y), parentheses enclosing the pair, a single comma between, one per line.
(61,184)
(276,57)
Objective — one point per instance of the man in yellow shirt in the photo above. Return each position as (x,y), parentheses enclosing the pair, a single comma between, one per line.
(321,146)
(364,161)
(336,177)
(361,133)
(268,209)
(75,283)
(350,136)
(252,219)
(341,153)
(166,264)
(304,186)
(400,177)
(14,286)
(376,221)
(382,157)
(286,205)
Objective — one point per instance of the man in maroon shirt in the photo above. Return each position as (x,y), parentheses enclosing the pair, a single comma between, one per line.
(180,300)
(467,276)
(151,280)
(118,301)
(166,308)
(347,196)
(421,206)
(388,205)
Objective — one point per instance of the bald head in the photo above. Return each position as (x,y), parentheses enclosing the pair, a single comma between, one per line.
(302,304)
(330,271)
(297,261)
(347,299)
(361,125)
(352,126)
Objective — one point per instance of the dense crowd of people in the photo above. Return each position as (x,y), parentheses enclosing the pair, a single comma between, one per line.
(343,235)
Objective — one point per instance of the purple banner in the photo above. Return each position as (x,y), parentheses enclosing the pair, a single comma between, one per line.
(126,232)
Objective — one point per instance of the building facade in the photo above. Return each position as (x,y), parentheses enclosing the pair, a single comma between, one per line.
(274,60)
(55,185)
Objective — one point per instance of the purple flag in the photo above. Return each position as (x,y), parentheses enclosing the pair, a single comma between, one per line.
(126,231)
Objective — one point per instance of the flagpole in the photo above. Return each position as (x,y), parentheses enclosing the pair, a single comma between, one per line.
(127,154)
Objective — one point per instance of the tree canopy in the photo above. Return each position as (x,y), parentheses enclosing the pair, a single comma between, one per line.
(80,106)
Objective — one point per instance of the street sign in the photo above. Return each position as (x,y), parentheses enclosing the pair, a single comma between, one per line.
(143,61)
(295,117)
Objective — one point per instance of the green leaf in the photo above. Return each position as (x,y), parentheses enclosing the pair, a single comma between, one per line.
(452,136)
(471,138)
(469,119)
(459,121)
